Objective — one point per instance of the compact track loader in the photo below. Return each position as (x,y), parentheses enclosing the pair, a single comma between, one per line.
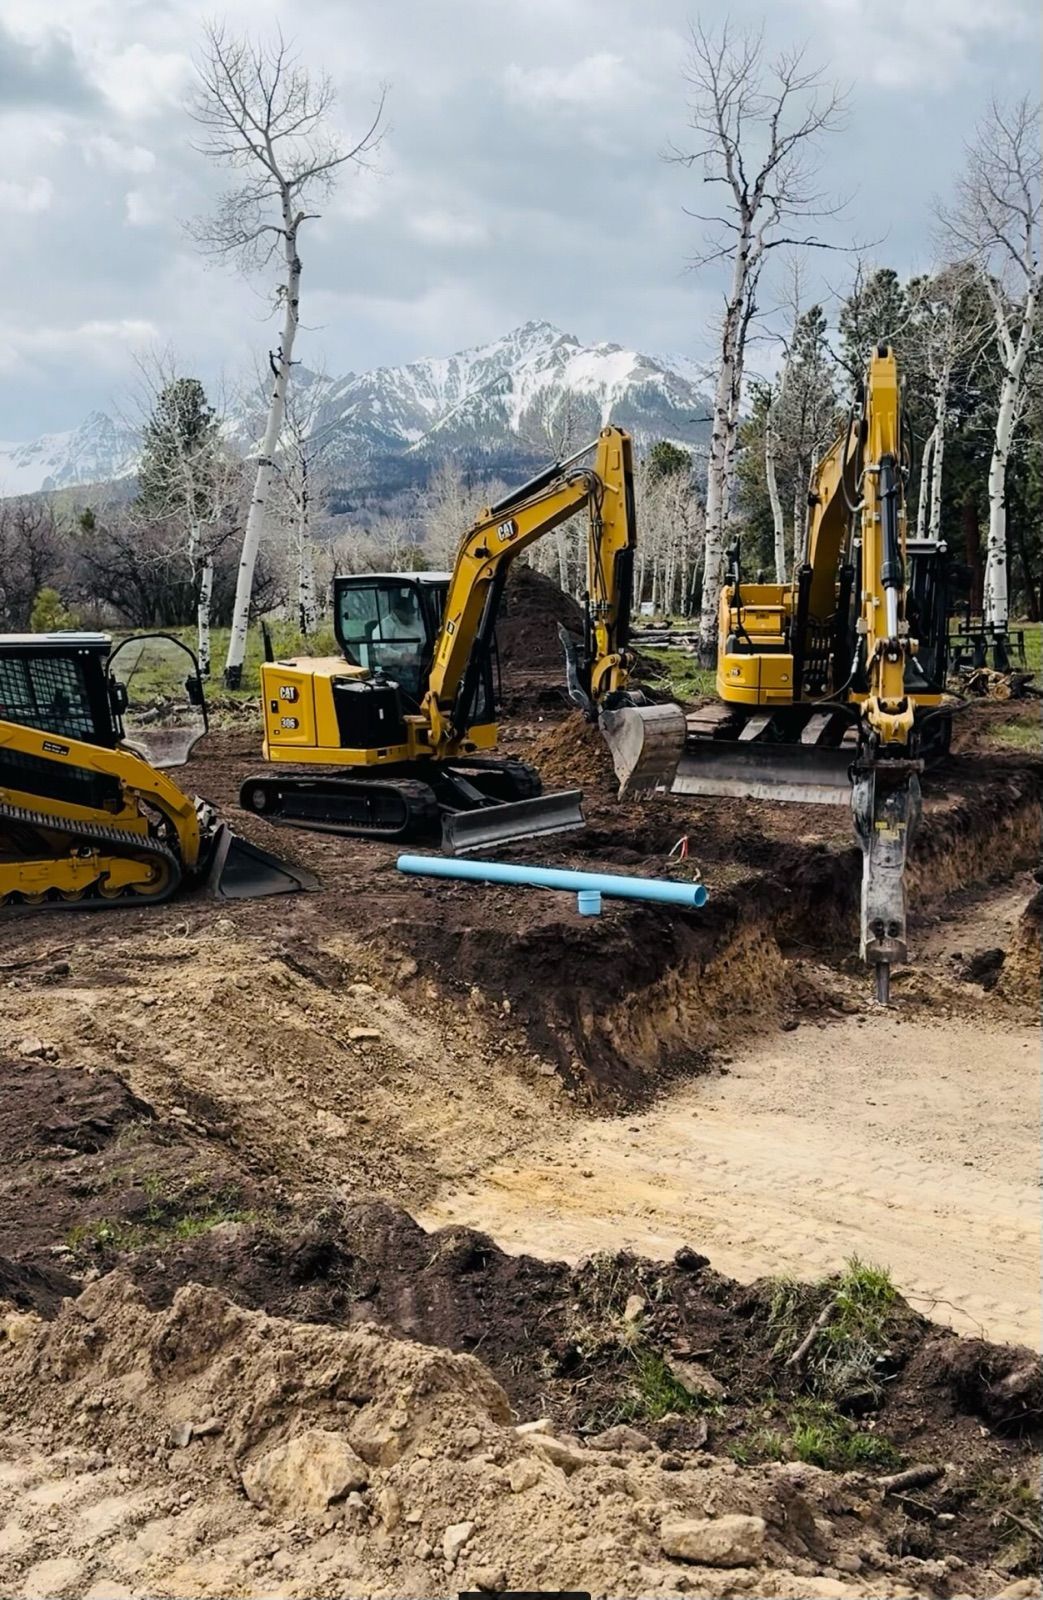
(88,816)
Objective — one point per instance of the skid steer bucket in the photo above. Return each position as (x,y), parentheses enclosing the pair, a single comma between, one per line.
(464,831)
(646,743)
(240,870)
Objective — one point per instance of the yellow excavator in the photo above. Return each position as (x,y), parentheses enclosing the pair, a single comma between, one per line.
(832,688)
(88,816)
(393,738)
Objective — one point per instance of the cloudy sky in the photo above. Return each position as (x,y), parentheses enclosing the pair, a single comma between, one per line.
(520,177)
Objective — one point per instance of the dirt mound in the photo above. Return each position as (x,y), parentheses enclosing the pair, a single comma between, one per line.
(371,1465)
(527,627)
(89,1168)
(573,754)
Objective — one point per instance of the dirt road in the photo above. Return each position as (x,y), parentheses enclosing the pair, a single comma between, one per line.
(911,1144)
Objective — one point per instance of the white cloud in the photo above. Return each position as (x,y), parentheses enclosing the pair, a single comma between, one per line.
(929,44)
(26,198)
(594,81)
(143,81)
(448,228)
(140,209)
(104,151)
(104,342)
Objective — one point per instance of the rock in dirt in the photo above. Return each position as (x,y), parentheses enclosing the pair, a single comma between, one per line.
(695,1379)
(729,1541)
(306,1475)
(454,1538)
(522,1474)
(621,1437)
(18,1327)
(560,1452)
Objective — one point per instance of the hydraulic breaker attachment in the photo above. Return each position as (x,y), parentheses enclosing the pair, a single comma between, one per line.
(645,743)
(464,831)
(885,803)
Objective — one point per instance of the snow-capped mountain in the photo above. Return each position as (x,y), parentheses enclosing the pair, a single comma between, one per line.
(98,451)
(535,391)
(532,394)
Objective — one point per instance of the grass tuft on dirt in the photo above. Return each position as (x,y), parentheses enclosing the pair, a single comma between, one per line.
(814,1431)
(169,1219)
(849,1320)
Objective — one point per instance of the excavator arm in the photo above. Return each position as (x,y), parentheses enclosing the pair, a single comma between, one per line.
(645,741)
(886,788)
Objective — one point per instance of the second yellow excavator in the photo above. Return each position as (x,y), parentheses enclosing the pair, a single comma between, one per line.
(833,686)
(395,736)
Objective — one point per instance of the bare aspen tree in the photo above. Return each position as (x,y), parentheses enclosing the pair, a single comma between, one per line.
(771,420)
(994,222)
(302,479)
(949,326)
(756,124)
(264,115)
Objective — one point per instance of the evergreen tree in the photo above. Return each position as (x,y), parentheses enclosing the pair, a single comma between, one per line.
(876,311)
(666,459)
(179,441)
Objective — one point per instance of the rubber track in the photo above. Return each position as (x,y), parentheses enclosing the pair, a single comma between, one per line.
(125,842)
(421,805)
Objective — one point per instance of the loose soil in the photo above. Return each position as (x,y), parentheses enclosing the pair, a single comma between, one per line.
(258,1097)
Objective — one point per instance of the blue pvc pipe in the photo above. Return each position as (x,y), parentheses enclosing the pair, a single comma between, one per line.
(663,891)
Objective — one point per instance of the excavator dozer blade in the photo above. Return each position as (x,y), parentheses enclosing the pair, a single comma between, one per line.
(240,870)
(805,774)
(464,831)
(645,743)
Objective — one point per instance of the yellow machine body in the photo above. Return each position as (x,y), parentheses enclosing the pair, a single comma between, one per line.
(300,720)
(87,812)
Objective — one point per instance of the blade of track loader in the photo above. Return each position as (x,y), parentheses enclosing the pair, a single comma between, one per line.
(240,870)
(807,774)
(464,831)
(646,743)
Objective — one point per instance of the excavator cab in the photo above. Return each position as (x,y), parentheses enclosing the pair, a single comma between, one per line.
(387,624)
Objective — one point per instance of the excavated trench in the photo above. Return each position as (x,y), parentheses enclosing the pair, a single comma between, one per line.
(627,1001)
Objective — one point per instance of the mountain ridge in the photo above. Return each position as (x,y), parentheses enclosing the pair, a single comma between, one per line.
(533,393)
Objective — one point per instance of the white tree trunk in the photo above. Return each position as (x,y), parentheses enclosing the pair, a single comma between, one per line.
(995,605)
(255,520)
(203,604)
(777,519)
(995,592)
(926,487)
(713,548)
(934,525)
(563,561)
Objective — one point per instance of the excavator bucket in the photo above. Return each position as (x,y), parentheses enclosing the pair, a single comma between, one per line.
(646,743)
(464,831)
(240,870)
